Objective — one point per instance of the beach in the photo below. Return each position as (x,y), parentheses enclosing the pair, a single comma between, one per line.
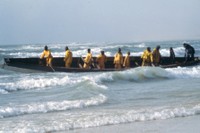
(178,125)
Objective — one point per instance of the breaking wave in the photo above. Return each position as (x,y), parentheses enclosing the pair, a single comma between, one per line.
(43,107)
(93,80)
(184,72)
(28,82)
(124,116)
(144,73)
(70,121)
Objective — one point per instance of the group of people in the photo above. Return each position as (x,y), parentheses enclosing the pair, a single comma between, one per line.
(88,60)
(154,58)
(148,58)
(151,58)
(48,56)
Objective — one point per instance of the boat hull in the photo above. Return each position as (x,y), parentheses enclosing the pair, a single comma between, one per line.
(39,65)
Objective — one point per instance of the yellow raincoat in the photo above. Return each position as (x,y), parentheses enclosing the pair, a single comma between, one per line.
(68,58)
(101,59)
(156,56)
(87,61)
(47,54)
(146,58)
(118,60)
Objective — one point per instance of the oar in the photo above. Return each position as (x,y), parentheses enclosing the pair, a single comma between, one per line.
(152,65)
(97,65)
(136,63)
(52,68)
(41,63)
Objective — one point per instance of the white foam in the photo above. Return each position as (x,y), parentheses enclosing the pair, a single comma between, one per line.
(2,91)
(179,51)
(27,82)
(31,47)
(142,45)
(136,53)
(43,107)
(23,54)
(1,49)
(94,82)
(110,117)
(84,119)
(184,72)
(143,73)
(135,74)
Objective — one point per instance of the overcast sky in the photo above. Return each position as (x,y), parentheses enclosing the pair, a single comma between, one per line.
(60,21)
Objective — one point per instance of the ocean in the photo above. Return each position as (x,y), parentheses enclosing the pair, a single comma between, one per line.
(62,102)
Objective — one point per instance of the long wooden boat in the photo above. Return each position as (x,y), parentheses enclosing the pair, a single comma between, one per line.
(37,64)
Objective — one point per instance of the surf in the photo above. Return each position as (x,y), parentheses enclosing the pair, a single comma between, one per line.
(50,106)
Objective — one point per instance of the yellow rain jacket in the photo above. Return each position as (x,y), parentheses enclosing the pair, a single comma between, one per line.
(87,61)
(118,60)
(127,61)
(101,59)
(47,54)
(146,58)
(68,58)
(156,56)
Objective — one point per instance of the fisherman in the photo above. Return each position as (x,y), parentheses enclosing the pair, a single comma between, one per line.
(101,59)
(189,52)
(68,57)
(126,63)
(47,54)
(147,57)
(156,56)
(172,55)
(118,59)
(88,60)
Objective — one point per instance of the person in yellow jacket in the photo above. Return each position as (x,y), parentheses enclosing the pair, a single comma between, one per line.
(68,57)
(101,59)
(127,60)
(118,59)
(88,60)
(47,54)
(147,57)
(156,56)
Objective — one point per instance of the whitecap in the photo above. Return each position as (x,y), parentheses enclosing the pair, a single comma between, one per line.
(84,119)
(43,107)
(135,74)
(184,72)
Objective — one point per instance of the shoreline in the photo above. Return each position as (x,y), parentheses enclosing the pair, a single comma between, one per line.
(175,125)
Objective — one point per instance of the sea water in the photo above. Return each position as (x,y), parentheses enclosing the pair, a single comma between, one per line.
(59,102)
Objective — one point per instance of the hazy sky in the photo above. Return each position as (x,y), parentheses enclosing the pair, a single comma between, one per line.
(60,21)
